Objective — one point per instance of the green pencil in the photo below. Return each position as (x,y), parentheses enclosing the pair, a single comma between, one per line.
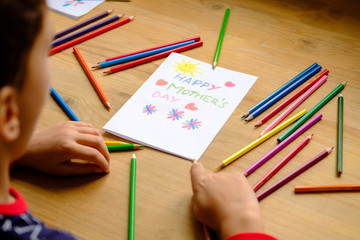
(312,111)
(340,135)
(221,38)
(132,198)
(123,147)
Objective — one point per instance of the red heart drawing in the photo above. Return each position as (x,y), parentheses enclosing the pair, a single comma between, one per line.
(191,106)
(161,82)
(229,84)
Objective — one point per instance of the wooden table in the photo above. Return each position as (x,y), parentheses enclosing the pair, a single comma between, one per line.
(272,39)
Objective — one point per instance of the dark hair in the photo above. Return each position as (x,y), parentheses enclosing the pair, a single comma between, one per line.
(20,23)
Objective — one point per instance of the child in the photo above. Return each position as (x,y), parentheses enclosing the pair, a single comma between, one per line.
(226,203)
(25,36)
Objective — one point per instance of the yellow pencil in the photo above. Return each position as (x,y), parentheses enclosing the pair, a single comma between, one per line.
(258,141)
(109,143)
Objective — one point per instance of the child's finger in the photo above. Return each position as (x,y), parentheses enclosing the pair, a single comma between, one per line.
(96,142)
(70,169)
(197,171)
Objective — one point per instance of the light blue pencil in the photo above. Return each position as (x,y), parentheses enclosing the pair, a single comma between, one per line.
(140,55)
(63,105)
(262,102)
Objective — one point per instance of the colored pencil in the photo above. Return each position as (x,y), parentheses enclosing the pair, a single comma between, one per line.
(206,232)
(283,93)
(277,91)
(260,140)
(281,163)
(86,30)
(339,159)
(132,198)
(140,55)
(312,111)
(108,143)
(90,35)
(153,57)
(293,174)
(196,39)
(91,77)
(295,105)
(290,99)
(83,23)
(63,105)
(283,144)
(221,38)
(123,147)
(327,188)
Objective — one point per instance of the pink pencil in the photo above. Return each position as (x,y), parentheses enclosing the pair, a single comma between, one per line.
(290,99)
(293,174)
(294,105)
(281,163)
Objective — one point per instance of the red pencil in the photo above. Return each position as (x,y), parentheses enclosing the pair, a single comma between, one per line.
(327,188)
(290,99)
(196,39)
(153,57)
(281,163)
(91,77)
(293,174)
(90,35)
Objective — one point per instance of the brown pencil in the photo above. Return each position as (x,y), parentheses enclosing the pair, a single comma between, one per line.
(328,188)
(91,78)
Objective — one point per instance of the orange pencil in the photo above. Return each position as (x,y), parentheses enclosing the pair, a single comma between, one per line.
(328,188)
(91,77)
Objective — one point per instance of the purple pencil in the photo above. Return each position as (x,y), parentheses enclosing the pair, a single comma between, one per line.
(82,24)
(86,30)
(293,174)
(281,145)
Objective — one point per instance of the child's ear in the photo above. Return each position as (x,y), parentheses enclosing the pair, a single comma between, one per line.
(9,114)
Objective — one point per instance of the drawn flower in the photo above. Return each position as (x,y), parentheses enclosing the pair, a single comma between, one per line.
(149,109)
(192,124)
(73,3)
(175,114)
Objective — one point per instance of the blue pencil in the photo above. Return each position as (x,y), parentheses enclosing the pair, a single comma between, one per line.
(140,55)
(63,105)
(262,102)
(86,30)
(283,93)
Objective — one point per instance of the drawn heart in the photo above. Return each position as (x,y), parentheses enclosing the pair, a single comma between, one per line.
(229,84)
(191,106)
(161,82)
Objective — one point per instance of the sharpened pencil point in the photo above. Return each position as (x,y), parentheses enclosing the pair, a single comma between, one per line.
(133,156)
(108,105)
(98,66)
(132,17)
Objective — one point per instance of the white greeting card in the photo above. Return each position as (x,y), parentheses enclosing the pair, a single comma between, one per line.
(73,8)
(181,107)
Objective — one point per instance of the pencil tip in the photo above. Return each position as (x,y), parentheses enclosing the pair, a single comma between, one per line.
(340,94)
(214,65)
(246,174)
(278,140)
(339,173)
(344,83)
(311,135)
(110,11)
(243,116)
(108,105)
(133,156)
(132,17)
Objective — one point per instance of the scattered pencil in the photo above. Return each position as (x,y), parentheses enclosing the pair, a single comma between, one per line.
(108,143)
(339,159)
(277,91)
(152,58)
(123,147)
(281,163)
(293,174)
(82,24)
(91,78)
(283,93)
(290,99)
(221,38)
(196,39)
(327,188)
(63,105)
(283,144)
(258,141)
(312,111)
(132,198)
(86,30)
(293,106)
(90,35)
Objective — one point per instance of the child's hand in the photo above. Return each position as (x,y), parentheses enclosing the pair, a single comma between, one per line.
(51,150)
(225,202)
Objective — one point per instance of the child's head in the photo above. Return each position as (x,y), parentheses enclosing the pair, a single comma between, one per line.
(25,38)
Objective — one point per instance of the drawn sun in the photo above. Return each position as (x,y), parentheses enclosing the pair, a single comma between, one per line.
(185,67)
